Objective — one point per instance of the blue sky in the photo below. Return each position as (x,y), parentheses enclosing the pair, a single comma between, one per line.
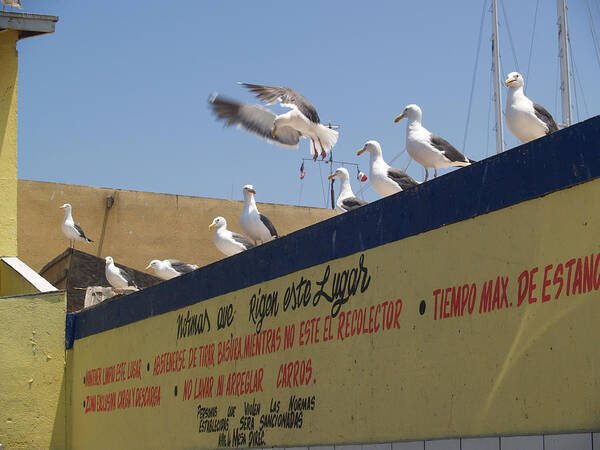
(117,96)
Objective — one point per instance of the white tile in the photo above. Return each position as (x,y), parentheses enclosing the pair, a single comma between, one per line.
(322,447)
(490,443)
(579,441)
(415,445)
(596,441)
(443,444)
(386,446)
(348,447)
(522,443)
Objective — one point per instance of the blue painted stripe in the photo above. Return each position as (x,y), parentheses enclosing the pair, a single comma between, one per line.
(558,161)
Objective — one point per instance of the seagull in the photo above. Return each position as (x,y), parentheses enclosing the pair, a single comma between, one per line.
(285,129)
(346,201)
(256,225)
(117,278)
(13,3)
(170,268)
(227,241)
(72,230)
(525,119)
(385,180)
(429,150)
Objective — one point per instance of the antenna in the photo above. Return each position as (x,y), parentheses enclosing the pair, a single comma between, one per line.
(497,80)
(565,69)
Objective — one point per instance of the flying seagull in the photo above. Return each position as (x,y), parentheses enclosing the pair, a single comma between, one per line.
(385,180)
(429,150)
(13,3)
(525,119)
(346,201)
(117,278)
(170,268)
(72,230)
(226,241)
(257,226)
(285,129)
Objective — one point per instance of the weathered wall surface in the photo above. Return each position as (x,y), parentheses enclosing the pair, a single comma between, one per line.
(139,227)
(8,143)
(474,315)
(32,372)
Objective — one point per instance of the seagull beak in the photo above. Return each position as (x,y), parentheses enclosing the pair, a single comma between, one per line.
(148,266)
(399,118)
(252,190)
(508,81)
(331,177)
(274,132)
(211,226)
(361,151)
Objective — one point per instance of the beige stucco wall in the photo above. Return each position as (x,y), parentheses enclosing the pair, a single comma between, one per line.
(139,227)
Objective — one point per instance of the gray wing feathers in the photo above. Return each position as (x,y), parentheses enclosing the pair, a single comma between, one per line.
(286,96)
(542,114)
(352,203)
(127,277)
(81,233)
(255,119)
(267,223)
(182,267)
(242,240)
(447,149)
(402,178)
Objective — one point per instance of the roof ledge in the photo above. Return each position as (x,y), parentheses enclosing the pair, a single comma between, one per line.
(28,25)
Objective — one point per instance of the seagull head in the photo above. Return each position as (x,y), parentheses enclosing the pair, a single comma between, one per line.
(108,260)
(514,80)
(66,206)
(341,173)
(218,222)
(372,147)
(155,264)
(248,191)
(411,112)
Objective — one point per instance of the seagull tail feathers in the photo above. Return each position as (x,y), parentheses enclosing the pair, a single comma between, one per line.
(472,161)
(327,136)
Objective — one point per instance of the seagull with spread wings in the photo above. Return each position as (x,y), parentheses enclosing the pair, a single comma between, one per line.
(285,129)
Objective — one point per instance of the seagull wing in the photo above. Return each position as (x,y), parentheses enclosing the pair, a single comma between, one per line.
(542,114)
(127,277)
(242,240)
(447,149)
(402,178)
(81,233)
(352,203)
(287,97)
(267,223)
(255,119)
(181,267)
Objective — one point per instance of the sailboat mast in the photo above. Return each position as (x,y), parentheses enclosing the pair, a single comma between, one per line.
(497,79)
(565,70)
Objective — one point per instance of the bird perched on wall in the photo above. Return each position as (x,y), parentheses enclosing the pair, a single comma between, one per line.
(170,268)
(13,3)
(346,200)
(525,119)
(385,180)
(227,241)
(285,129)
(429,150)
(257,226)
(72,230)
(117,278)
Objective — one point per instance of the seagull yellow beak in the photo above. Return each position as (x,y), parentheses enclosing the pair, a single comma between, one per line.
(148,266)
(508,81)
(252,190)
(399,118)
(360,152)
(274,132)
(211,226)
(331,177)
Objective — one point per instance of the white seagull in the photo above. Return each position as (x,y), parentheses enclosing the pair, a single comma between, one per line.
(429,150)
(525,119)
(226,241)
(257,226)
(72,230)
(285,129)
(385,180)
(346,201)
(170,268)
(117,278)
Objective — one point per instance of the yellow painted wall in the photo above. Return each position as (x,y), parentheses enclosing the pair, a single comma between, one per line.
(12,283)
(32,372)
(521,361)
(141,226)
(8,143)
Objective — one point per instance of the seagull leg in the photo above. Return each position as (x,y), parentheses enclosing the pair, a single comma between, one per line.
(426,174)
(434,173)
(323,152)
(313,149)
